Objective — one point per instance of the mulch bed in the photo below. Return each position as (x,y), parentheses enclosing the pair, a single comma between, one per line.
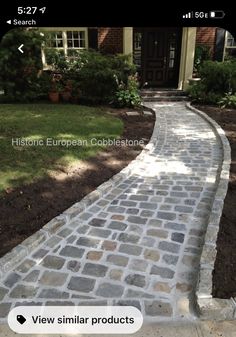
(224,274)
(28,208)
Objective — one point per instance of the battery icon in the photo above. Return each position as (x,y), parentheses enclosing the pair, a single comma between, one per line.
(217,14)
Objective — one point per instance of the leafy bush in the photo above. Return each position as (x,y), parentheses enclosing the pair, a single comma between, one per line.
(66,65)
(123,67)
(97,79)
(57,60)
(229,101)
(197,93)
(96,75)
(19,74)
(89,75)
(127,95)
(217,79)
(100,75)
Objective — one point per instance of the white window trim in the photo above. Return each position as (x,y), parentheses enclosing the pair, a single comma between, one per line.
(64,38)
(225,45)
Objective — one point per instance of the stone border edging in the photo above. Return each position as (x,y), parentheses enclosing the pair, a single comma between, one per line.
(18,253)
(214,308)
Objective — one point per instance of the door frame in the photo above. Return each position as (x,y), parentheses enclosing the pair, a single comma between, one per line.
(186,57)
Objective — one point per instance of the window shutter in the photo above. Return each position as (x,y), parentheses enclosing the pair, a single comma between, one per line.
(93,38)
(220,44)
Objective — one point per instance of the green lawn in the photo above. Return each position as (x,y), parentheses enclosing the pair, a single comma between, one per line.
(25,164)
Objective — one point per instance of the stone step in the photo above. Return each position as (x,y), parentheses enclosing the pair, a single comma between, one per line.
(161,93)
(164,98)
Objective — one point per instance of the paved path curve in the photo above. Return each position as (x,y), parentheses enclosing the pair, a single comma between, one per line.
(139,243)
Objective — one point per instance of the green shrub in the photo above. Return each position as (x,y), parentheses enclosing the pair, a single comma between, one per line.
(99,75)
(97,79)
(96,75)
(19,73)
(217,79)
(127,95)
(197,92)
(57,60)
(123,67)
(229,101)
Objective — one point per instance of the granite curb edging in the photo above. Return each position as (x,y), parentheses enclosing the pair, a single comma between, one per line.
(207,306)
(18,253)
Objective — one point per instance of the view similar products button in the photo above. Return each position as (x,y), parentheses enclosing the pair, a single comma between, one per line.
(75,319)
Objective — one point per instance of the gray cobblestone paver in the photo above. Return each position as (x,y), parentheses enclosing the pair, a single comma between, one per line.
(93,269)
(52,278)
(140,238)
(11,280)
(136,280)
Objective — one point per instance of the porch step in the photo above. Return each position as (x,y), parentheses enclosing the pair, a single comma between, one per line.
(164,92)
(152,95)
(165,99)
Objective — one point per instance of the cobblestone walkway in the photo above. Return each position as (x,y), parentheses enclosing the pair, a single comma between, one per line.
(140,242)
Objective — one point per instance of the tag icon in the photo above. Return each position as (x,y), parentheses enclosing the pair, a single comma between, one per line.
(21,319)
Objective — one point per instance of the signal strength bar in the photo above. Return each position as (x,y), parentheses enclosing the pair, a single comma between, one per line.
(188,15)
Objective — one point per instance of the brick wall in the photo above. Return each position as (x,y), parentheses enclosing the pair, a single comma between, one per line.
(206,36)
(110,39)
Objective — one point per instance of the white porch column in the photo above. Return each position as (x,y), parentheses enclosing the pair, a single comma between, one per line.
(128,40)
(187,56)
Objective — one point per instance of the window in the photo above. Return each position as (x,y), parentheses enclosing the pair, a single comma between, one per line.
(137,40)
(137,49)
(72,39)
(230,47)
(69,41)
(172,54)
(230,40)
(55,40)
(75,39)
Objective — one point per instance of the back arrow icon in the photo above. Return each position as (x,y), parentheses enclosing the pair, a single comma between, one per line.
(20,48)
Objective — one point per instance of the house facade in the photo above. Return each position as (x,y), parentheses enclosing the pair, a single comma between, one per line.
(164,55)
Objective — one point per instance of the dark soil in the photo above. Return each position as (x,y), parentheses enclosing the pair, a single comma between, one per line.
(28,208)
(224,274)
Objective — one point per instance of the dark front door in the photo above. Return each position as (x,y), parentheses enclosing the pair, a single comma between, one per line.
(160,57)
